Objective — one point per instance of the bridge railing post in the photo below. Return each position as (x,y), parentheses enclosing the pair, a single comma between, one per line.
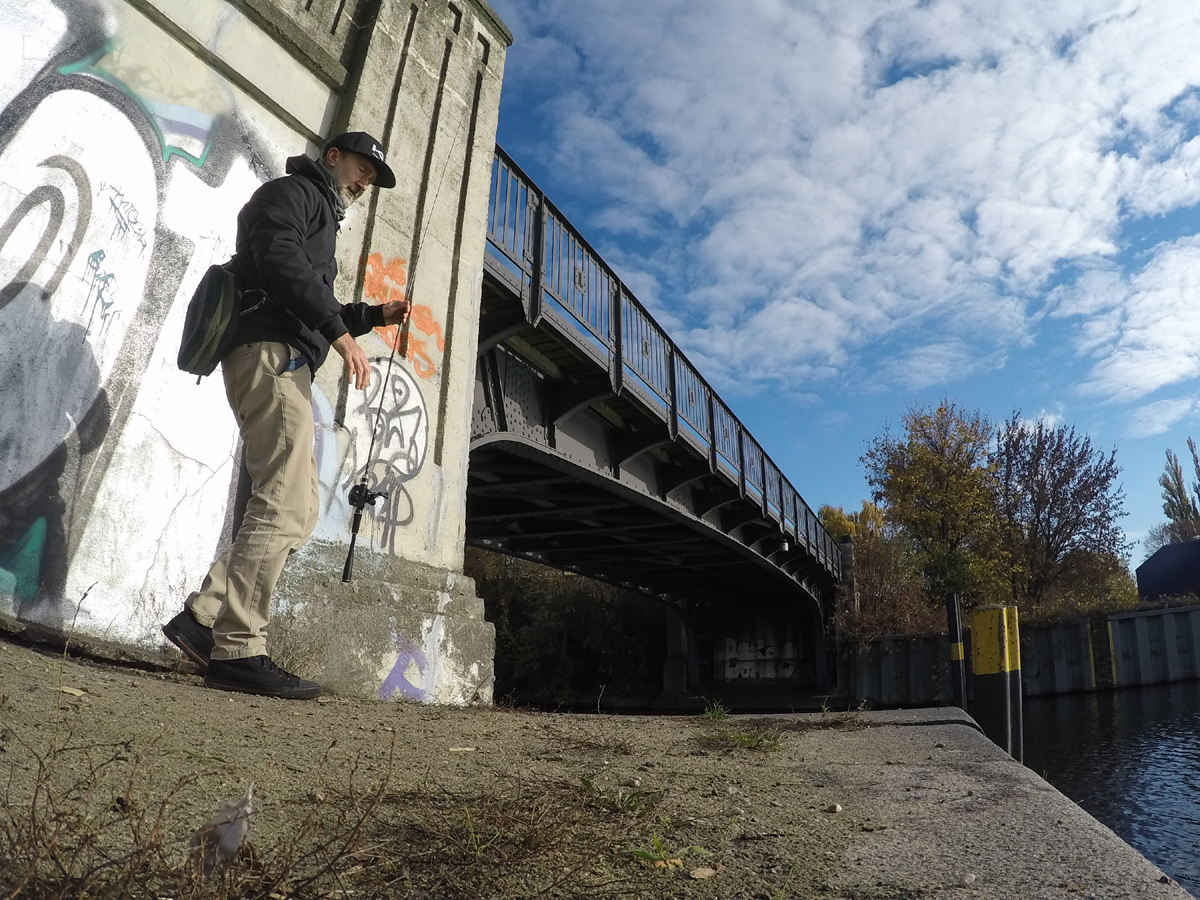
(712,429)
(535,256)
(616,370)
(673,406)
(741,460)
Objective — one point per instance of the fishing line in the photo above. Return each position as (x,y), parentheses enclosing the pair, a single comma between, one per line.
(361,496)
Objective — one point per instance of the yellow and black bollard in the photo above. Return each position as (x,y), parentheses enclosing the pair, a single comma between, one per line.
(996,666)
(958,665)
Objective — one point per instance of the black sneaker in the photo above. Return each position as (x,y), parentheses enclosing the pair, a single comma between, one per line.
(194,639)
(258,675)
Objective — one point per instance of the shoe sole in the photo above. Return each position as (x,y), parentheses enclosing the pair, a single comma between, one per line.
(238,688)
(189,651)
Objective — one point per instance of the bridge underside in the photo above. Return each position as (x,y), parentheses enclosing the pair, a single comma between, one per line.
(528,502)
(597,448)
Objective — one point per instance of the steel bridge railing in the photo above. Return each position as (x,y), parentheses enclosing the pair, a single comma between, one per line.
(559,276)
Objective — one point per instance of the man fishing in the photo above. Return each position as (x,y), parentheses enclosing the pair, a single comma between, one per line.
(285,252)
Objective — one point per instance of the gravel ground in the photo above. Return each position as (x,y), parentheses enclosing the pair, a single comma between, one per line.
(362,799)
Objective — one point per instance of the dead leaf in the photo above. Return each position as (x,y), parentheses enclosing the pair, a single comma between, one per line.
(74,692)
(703,872)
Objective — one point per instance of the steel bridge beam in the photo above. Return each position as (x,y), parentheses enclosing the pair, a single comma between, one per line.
(597,447)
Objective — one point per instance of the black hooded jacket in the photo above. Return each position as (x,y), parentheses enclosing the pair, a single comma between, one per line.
(285,242)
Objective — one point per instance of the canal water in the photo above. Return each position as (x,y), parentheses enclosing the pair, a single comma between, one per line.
(1131,758)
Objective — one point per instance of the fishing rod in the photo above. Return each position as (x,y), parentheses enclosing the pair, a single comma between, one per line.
(361,495)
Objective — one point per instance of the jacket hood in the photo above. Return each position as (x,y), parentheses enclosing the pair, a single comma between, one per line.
(307,167)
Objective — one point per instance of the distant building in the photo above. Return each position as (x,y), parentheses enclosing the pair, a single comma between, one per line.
(1172,570)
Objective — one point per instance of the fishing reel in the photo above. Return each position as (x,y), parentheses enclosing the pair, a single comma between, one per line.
(361,495)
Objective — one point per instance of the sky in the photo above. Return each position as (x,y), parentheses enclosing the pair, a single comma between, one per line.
(840,211)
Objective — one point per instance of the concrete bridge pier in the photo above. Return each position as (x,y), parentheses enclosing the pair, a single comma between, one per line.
(676,665)
(410,626)
(131,132)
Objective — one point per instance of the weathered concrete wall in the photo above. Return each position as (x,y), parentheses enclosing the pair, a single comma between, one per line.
(131,132)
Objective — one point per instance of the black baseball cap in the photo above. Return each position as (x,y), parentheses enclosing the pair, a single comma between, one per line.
(363,144)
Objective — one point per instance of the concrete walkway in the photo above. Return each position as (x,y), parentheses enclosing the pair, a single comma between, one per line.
(949,811)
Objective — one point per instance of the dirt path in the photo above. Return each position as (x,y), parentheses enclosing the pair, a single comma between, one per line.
(107,771)
(398,800)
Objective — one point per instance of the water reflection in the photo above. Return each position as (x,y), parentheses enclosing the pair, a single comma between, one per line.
(1131,758)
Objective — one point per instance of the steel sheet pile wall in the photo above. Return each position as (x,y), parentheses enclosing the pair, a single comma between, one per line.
(1152,647)
(1122,650)
(891,671)
(1057,659)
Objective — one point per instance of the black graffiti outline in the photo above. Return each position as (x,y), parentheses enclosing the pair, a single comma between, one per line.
(127,219)
(391,471)
(392,420)
(48,193)
(236,137)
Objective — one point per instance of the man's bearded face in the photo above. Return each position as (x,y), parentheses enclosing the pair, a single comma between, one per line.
(352,173)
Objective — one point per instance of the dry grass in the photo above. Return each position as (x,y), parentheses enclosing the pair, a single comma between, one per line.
(590,742)
(526,840)
(98,822)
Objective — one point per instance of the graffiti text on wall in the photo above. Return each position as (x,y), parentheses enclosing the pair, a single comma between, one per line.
(401,440)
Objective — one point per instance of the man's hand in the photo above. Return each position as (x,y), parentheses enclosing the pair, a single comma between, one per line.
(358,369)
(396,312)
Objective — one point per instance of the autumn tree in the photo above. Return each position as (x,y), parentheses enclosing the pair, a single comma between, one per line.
(1058,506)
(1182,512)
(891,597)
(937,484)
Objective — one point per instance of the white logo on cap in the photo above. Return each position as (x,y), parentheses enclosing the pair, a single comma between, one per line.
(376,152)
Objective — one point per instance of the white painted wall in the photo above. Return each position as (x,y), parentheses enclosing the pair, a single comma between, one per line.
(127,147)
(123,162)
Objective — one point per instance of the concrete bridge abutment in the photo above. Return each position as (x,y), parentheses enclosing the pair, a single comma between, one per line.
(131,132)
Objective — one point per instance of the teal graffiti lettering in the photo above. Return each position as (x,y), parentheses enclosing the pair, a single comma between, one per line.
(21,564)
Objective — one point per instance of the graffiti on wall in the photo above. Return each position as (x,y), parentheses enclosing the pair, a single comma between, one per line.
(407,673)
(391,405)
(122,164)
(763,649)
(384,282)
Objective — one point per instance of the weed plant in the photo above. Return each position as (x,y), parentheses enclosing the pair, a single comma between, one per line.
(716,711)
(750,737)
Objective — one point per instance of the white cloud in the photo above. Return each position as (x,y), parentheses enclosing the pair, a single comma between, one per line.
(1044,417)
(1158,417)
(800,184)
(932,364)
(1145,329)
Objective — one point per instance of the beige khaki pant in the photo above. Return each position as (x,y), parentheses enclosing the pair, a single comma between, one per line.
(274,414)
